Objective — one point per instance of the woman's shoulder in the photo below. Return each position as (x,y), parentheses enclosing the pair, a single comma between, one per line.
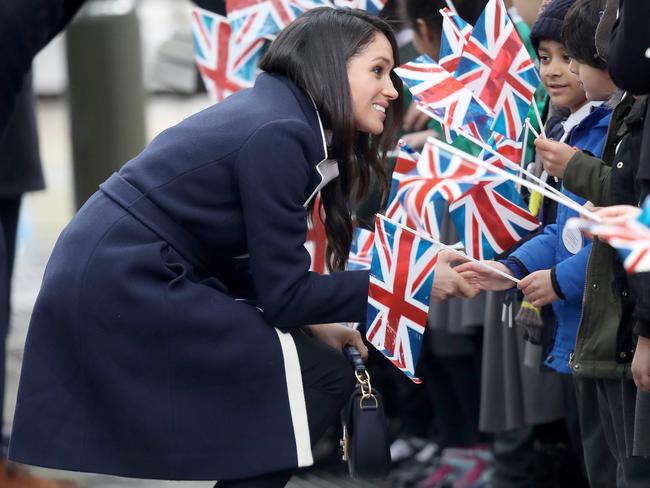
(273,101)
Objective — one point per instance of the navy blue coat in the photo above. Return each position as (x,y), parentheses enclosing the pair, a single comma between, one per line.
(158,346)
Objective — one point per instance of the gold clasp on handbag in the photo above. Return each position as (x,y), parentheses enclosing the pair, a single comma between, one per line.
(366,390)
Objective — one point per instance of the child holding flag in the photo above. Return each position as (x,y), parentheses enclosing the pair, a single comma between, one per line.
(603,344)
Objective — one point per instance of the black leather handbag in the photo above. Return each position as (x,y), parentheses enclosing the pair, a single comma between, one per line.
(365,443)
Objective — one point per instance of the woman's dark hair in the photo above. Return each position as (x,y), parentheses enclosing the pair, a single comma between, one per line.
(313,52)
(579,32)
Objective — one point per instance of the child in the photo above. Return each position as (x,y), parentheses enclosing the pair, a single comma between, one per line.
(552,265)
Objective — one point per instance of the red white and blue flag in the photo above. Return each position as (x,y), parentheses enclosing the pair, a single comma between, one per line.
(264,19)
(440,95)
(505,147)
(401,278)
(631,240)
(490,218)
(360,256)
(406,162)
(439,176)
(455,34)
(211,39)
(496,67)
(316,242)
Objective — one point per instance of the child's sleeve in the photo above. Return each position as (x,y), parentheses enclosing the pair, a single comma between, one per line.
(538,253)
(588,177)
(569,275)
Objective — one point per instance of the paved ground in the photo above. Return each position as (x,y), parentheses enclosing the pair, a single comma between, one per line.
(44,214)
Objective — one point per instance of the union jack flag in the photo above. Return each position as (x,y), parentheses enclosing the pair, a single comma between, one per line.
(372,6)
(496,67)
(490,218)
(316,242)
(440,95)
(257,19)
(361,251)
(211,39)
(401,278)
(406,163)
(631,240)
(455,34)
(439,175)
(507,148)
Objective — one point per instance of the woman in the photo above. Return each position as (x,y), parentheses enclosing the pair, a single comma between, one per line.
(167,339)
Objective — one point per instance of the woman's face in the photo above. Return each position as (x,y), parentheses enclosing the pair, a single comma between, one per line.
(371,88)
(562,86)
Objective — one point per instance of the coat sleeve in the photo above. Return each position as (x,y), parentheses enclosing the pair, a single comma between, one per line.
(642,309)
(588,177)
(26,26)
(273,173)
(627,63)
(539,252)
(571,274)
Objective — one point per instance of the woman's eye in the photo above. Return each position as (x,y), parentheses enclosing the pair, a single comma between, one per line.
(378,70)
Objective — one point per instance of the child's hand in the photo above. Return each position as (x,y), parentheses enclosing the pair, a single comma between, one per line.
(554,155)
(538,288)
(641,364)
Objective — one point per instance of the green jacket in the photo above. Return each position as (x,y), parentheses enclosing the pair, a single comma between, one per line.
(589,177)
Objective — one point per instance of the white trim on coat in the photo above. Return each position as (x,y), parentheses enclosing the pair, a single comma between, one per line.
(296,395)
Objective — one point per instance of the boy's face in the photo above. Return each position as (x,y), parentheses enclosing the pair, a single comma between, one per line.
(596,82)
(562,86)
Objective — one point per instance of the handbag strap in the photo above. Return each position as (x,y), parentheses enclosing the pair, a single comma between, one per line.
(368,398)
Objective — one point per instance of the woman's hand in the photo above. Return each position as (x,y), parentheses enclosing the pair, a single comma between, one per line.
(485,279)
(538,288)
(338,336)
(447,282)
(554,155)
(641,364)
(618,214)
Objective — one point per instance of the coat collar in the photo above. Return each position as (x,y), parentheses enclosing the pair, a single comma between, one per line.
(327,169)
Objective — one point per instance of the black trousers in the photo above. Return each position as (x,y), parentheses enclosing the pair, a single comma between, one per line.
(9,210)
(328,381)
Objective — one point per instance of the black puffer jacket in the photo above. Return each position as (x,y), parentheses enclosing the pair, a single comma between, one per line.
(630,69)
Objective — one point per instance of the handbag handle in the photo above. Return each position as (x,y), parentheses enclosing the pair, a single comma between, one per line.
(363,378)
(355,358)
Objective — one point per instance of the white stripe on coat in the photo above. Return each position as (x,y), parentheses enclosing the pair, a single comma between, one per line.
(296,399)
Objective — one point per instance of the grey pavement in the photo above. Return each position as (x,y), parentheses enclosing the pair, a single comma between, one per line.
(43,216)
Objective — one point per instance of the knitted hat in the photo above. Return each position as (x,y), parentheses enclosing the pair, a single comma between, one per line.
(548,25)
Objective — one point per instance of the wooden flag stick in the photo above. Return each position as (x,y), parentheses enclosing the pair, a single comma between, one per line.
(464,256)
(522,160)
(532,129)
(451,6)
(558,195)
(539,119)
(553,195)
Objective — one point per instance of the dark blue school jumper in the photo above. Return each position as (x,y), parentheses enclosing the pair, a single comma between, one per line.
(159,345)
